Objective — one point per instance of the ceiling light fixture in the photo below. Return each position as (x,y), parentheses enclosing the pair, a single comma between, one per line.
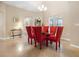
(42,8)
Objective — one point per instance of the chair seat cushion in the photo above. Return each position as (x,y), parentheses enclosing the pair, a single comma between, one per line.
(42,38)
(52,37)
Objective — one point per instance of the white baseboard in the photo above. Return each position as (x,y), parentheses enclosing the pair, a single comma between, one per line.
(4,38)
(73,45)
(66,39)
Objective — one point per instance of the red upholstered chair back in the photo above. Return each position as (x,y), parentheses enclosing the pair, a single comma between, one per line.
(53,29)
(45,29)
(29,31)
(59,32)
(37,31)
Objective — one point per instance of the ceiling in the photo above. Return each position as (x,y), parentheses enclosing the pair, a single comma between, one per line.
(33,5)
(27,5)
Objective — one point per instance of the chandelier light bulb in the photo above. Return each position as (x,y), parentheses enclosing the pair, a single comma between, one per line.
(45,8)
(42,6)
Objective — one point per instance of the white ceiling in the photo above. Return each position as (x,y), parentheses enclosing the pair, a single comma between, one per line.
(33,5)
(27,5)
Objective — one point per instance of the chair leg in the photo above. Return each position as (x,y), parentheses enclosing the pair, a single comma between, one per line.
(50,42)
(59,44)
(56,45)
(35,43)
(31,41)
(46,43)
(40,45)
(28,40)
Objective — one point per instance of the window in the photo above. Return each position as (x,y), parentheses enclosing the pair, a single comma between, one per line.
(60,22)
(55,21)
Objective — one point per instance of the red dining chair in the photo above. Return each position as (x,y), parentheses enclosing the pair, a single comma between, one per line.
(30,33)
(39,37)
(53,29)
(45,29)
(56,38)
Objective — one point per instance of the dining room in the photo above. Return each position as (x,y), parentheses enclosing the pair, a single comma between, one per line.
(39,28)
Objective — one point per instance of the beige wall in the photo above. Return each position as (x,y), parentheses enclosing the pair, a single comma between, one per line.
(69,11)
(2,20)
(10,12)
(74,22)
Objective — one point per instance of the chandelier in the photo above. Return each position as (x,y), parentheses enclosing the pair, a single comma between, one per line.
(42,8)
